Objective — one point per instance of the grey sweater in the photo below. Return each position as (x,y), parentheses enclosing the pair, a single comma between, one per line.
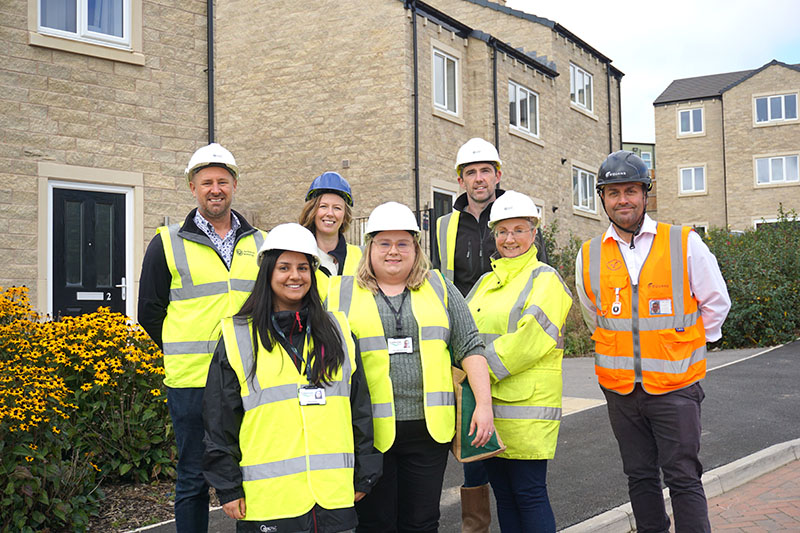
(405,369)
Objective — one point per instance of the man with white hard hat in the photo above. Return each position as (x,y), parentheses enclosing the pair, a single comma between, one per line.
(193,275)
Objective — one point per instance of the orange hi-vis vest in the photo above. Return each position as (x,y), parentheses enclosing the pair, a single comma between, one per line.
(650,332)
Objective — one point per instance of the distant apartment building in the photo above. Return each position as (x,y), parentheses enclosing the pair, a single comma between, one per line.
(728,147)
(647,151)
(101,109)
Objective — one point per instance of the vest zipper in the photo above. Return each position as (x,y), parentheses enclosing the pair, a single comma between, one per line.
(637,347)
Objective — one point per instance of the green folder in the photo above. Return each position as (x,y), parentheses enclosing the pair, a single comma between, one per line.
(462,447)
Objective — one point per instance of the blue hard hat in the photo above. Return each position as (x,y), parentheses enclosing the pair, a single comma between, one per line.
(331,182)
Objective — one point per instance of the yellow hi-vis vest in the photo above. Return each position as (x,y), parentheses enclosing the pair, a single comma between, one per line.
(350,268)
(446,231)
(429,305)
(651,332)
(202,292)
(293,456)
(520,308)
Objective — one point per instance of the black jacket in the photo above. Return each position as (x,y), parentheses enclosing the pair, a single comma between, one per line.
(156,278)
(222,418)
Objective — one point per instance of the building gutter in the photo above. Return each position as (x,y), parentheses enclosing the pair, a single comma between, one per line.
(411,4)
(608,98)
(492,42)
(724,164)
(210,69)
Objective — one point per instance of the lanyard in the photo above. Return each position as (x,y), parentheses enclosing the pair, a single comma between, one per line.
(397,322)
(291,346)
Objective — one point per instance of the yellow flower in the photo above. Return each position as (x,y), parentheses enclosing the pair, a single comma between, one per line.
(56,430)
(155,392)
(29,459)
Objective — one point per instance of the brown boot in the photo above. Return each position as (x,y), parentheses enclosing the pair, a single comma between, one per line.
(476,512)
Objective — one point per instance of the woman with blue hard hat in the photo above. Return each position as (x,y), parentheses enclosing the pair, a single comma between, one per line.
(327,213)
(286,408)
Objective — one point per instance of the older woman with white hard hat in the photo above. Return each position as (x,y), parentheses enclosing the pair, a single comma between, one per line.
(407,320)
(520,308)
(287,414)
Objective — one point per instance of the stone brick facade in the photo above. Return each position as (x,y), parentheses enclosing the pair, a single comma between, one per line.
(727,149)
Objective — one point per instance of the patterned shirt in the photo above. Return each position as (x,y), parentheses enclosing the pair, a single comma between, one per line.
(223,246)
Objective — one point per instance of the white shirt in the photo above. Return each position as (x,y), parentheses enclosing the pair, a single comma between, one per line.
(705,279)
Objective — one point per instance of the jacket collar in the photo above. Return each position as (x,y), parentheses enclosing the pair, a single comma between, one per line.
(648,226)
(505,268)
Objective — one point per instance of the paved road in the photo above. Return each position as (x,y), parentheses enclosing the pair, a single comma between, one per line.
(751,403)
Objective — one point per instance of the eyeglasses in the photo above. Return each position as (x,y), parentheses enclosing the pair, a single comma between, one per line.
(403,247)
(518,233)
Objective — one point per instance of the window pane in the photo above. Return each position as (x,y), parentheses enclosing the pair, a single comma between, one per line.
(791,169)
(775,112)
(588,82)
(512,104)
(686,179)
(580,85)
(762,170)
(572,75)
(776,165)
(524,116)
(697,120)
(790,106)
(575,195)
(58,14)
(647,160)
(584,189)
(761,110)
(699,179)
(533,105)
(592,195)
(103,233)
(451,85)
(73,242)
(684,115)
(105,16)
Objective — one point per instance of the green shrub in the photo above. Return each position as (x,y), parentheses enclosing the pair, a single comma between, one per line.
(762,271)
(80,402)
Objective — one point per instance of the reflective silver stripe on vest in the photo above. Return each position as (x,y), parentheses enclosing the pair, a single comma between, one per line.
(489,338)
(548,326)
(346,295)
(198,291)
(189,347)
(381,410)
(435,399)
(649,324)
(242,285)
(498,368)
(259,238)
(676,261)
(526,412)
(341,387)
(651,365)
(370,344)
(443,251)
(595,246)
(435,333)
(297,465)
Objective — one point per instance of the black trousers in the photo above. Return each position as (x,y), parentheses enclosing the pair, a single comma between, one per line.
(406,497)
(661,432)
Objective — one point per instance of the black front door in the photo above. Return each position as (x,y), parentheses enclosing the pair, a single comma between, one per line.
(88,251)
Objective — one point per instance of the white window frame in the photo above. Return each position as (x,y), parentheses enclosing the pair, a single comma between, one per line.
(698,225)
(532,98)
(693,191)
(445,107)
(82,31)
(647,160)
(691,130)
(770,159)
(574,71)
(587,203)
(768,99)
(763,221)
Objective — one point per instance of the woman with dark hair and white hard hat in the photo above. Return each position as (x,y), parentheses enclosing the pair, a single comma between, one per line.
(407,320)
(520,307)
(287,414)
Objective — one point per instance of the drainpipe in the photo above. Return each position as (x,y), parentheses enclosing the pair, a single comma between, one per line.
(494,94)
(411,4)
(608,94)
(724,165)
(210,70)
(619,112)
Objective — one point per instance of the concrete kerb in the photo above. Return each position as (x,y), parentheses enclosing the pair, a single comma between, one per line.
(715,482)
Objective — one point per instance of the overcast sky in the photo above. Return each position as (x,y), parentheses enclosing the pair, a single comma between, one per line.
(654,43)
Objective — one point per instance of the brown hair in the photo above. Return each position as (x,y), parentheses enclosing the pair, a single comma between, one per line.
(365,276)
(309,211)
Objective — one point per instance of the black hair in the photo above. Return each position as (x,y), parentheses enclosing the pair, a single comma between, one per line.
(259,307)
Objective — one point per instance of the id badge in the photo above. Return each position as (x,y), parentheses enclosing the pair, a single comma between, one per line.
(309,395)
(401,345)
(660,307)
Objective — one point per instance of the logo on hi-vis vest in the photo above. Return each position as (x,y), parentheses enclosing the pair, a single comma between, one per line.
(652,285)
(614,264)
(245,252)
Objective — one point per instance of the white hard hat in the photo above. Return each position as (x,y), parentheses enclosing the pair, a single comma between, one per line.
(392,216)
(291,237)
(476,150)
(213,154)
(513,204)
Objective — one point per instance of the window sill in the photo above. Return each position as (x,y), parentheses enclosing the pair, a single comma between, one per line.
(448,116)
(776,185)
(792,122)
(584,213)
(525,135)
(682,194)
(583,111)
(690,135)
(85,48)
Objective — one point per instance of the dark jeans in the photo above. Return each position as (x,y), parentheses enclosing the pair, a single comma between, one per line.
(406,497)
(520,488)
(475,474)
(191,490)
(661,432)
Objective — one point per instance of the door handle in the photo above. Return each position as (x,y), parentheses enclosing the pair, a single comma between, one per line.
(124,286)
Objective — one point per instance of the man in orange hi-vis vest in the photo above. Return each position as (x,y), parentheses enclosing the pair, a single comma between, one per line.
(652,295)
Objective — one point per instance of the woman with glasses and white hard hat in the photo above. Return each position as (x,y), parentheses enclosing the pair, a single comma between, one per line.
(407,319)
(287,414)
(520,308)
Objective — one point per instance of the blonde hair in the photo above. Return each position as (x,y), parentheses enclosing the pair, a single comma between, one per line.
(309,212)
(365,276)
